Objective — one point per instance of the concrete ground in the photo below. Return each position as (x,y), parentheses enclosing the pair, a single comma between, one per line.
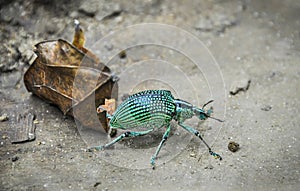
(248,47)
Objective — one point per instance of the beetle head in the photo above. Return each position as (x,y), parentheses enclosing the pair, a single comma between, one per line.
(203,114)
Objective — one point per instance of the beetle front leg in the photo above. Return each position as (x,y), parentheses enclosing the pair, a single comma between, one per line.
(122,136)
(197,133)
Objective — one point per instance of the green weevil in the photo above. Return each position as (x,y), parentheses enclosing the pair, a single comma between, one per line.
(152,109)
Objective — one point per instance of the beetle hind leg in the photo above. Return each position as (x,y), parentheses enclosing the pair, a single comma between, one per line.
(120,137)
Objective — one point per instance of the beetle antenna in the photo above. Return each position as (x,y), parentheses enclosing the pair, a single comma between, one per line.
(207,103)
(220,120)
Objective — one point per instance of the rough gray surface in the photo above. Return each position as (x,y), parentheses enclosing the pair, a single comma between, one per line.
(257,39)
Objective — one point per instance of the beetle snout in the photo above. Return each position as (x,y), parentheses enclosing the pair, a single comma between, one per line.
(203,116)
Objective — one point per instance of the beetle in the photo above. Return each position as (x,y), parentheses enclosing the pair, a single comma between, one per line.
(152,109)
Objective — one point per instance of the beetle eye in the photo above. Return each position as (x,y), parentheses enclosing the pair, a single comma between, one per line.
(202,116)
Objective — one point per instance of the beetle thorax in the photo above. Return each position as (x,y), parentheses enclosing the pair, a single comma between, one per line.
(184,110)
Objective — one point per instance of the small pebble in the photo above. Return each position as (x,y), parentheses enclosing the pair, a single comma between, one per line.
(88,8)
(233,146)
(3,117)
(209,167)
(266,108)
(123,54)
(41,143)
(97,184)
(14,158)
(238,86)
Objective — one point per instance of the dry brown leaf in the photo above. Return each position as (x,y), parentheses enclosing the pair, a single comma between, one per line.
(52,75)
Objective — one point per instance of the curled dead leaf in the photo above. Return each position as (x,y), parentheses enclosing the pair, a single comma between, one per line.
(71,77)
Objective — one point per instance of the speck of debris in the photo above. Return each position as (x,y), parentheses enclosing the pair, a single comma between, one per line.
(3,117)
(4,137)
(209,167)
(238,86)
(266,108)
(233,146)
(122,54)
(14,158)
(41,143)
(88,9)
(59,146)
(97,184)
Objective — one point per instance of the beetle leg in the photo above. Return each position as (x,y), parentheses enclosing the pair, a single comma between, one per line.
(126,134)
(164,139)
(197,133)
